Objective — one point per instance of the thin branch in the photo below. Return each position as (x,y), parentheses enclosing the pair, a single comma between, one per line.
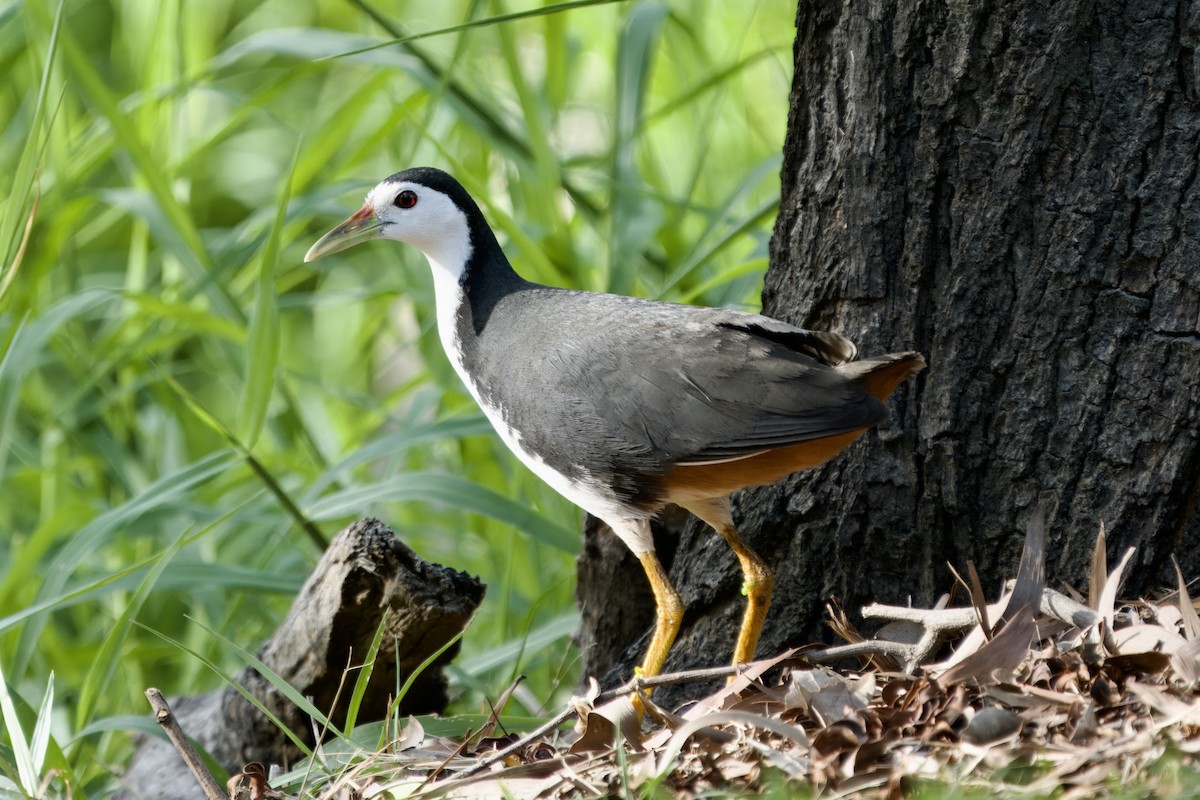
(165,718)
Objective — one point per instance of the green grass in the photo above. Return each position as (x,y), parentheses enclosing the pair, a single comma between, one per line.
(183,403)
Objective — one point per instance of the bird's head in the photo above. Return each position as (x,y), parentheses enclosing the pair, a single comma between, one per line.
(423,207)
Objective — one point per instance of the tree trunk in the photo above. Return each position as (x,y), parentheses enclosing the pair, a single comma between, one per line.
(1009,189)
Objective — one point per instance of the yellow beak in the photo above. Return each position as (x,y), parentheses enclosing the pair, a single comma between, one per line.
(361,227)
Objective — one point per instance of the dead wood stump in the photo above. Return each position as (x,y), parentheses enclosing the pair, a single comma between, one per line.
(366,572)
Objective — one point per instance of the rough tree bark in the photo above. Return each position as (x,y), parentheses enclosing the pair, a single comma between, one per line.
(365,573)
(1009,189)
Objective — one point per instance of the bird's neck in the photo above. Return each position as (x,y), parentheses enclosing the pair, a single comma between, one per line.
(470,276)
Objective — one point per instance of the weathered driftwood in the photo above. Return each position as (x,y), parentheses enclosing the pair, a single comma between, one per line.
(366,572)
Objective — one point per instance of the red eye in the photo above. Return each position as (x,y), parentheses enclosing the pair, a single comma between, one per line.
(406,199)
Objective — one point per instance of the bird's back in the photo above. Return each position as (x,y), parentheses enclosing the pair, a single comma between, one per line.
(637,388)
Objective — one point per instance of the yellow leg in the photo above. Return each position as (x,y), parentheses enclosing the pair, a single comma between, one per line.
(668,614)
(758,584)
(758,578)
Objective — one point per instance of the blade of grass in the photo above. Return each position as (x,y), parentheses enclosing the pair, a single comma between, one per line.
(396,442)
(273,486)
(112,580)
(633,224)
(491,125)
(41,730)
(10,274)
(104,664)
(723,278)
(365,671)
(539,193)
(424,665)
(26,772)
(321,148)
(706,247)
(159,494)
(68,599)
(262,347)
(556,629)
(26,350)
(24,178)
(194,253)
(453,491)
(712,81)
(499,19)
(285,688)
(270,675)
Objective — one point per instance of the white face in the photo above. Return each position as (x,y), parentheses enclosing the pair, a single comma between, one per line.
(429,220)
(423,217)
(407,212)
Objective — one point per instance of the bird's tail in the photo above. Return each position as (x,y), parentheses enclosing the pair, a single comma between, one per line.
(882,374)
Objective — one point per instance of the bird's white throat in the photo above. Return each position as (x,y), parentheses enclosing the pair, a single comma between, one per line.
(449,296)
(440,230)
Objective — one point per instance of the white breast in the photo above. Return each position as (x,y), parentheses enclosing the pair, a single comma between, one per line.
(587,494)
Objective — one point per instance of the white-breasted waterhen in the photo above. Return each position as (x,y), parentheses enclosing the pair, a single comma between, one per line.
(626,405)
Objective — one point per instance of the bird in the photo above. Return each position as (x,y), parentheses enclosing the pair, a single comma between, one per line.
(625,405)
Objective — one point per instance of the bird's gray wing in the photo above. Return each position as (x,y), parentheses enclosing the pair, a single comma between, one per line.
(704,385)
(825,346)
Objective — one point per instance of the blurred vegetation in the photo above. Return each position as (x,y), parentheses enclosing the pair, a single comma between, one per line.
(183,403)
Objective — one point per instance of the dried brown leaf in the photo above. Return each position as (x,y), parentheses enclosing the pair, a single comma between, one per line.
(250,783)
(843,736)
(496,709)
(602,724)
(1028,696)
(1174,710)
(1000,656)
(1105,691)
(978,600)
(1050,696)
(975,594)
(414,734)
(681,736)
(825,695)
(840,624)
(1031,572)
(1145,639)
(1187,611)
(991,726)
(1152,663)
(1099,571)
(1186,662)
(1087,727)
(728,693)
(1108,594)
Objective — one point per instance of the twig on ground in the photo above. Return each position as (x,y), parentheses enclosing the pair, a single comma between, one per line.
(1054,604)
(166,719)
(866,648)
(941,622)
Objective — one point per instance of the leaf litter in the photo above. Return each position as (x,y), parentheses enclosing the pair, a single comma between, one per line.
(1080,692)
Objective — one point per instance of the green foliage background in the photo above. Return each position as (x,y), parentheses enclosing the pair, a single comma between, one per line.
(166,165)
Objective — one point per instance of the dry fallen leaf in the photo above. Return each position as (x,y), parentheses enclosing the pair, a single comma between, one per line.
(1145,639)
(999,656)
(602,724)
(825,695)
